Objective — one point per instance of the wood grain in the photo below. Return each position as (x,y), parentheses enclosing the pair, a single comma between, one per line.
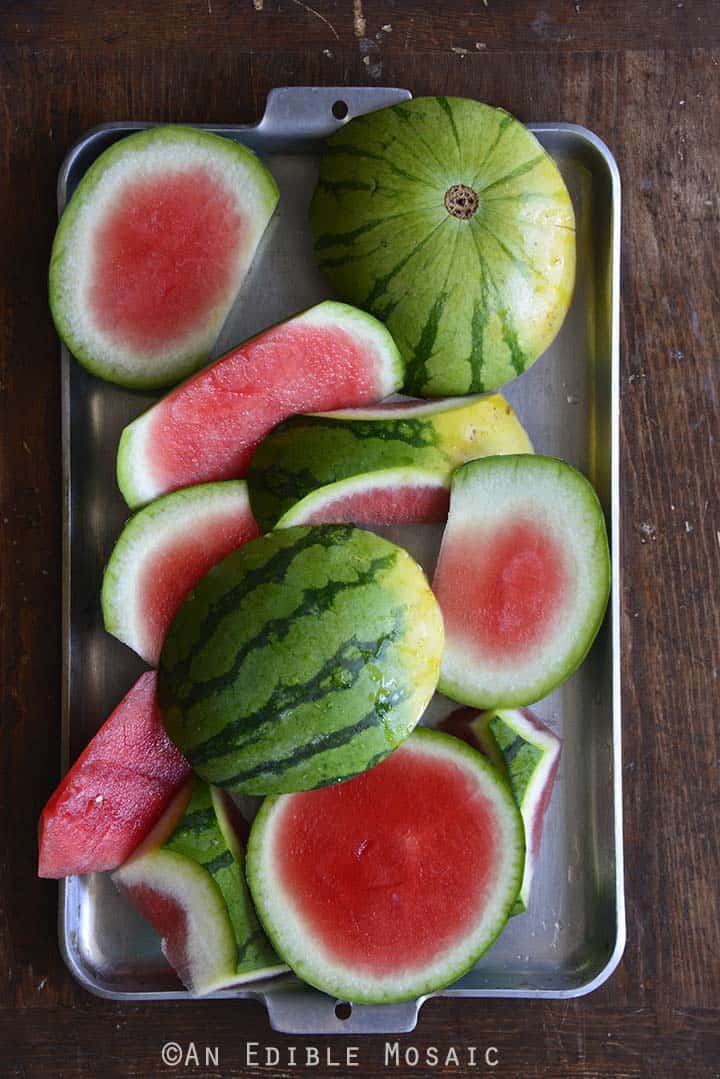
(645,77)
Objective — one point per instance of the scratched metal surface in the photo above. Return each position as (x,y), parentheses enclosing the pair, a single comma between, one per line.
(573,935)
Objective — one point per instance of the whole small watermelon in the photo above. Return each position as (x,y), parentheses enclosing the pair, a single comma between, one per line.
(448,220)
(301,659)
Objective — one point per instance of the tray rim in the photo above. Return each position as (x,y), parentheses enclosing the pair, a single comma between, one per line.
(262,995)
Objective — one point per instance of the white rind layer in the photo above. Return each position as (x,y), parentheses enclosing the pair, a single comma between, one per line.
(149,155)
(191,511)
(410,406)
(136,477)
(292,936)
(491,492)
(384,479)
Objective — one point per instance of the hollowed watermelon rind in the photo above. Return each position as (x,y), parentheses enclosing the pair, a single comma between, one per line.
(468,506)
(260,193)
(179,514)
(134,460)
(287,933)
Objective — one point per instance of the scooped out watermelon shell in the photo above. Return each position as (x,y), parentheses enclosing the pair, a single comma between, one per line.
(393,884)
(187,881)
(522,579)
(301,659)
(152,249)
(448,220)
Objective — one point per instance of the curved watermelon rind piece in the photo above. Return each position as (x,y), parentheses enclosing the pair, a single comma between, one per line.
(134,465)
(288,933)
(365,484)
(100,355)
(460,678)
(171,518)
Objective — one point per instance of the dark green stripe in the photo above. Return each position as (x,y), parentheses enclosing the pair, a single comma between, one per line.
(409,118)
(517,260)
(347,239)
(333,148)
(314,601)
(338,673)
(382,283)
(195,822)
(502,128)
(418,362)
(445,106)
(521,170)
(511,750)
(223,861)
(333,740)
(480,318)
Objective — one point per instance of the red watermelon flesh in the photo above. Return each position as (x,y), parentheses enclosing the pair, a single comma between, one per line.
(207,429)
(391,496)
(419,850)
(114,793)
(510,601)
(181,229)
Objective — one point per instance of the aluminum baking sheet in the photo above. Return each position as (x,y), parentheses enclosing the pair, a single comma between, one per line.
(573,936)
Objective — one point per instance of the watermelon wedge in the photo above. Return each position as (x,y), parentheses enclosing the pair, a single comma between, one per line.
(308,452)
(393,884)
(301,659)
(152,249)
(527,752)
(330,356)
(386,497)
(191,888)
(522,579)
(162,553)
(115,792)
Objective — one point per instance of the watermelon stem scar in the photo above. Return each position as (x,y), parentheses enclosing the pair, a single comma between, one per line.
(461,201)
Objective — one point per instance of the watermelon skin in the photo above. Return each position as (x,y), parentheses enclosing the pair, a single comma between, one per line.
(115,792)
(522,579)
(473,284)
(192,890)
(161,554)
(386,497)
(207,429)
(391,885)
(308,452)
(301,659)
(527,753)
(152,205)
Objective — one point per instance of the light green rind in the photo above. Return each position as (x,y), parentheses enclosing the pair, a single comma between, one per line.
(484,486)
(471,303)
(301,659)
(293,939)
(265,193)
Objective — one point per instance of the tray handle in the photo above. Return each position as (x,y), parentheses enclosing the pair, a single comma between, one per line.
(317,111)
(304,1011)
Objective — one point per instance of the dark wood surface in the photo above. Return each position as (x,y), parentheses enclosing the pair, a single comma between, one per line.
(645,75)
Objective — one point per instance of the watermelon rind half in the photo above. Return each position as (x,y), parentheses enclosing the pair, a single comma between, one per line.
(303,658)
(542,493)
(295,939)
(236,423)
(446,218)
(375,498)
(151,155)
(310,451)
(209,521)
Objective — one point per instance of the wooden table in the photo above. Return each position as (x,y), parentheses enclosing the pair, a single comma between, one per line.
(646,77)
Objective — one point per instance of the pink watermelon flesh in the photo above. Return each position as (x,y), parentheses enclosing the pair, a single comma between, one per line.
(511,599)
(171,574)
(164,255)
(209,427)
(385,506)
(115,792)
(168,918)
(411,872)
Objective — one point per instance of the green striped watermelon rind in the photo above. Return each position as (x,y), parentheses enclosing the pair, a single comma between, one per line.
(292,939)
(587,536)
(134,468)
(287,715)
(364,484)
(260,194)
(172,516)
(472,303)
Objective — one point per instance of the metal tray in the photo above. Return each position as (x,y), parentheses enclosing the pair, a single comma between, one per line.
(573,936)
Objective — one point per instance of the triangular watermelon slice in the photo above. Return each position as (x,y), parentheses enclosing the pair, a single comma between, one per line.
(115,792)
(330,356)
(386,497)
(162,553)
(152,249)
(522,579)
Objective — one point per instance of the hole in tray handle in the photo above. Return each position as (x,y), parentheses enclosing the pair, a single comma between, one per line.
(340,110)
(343,1010)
